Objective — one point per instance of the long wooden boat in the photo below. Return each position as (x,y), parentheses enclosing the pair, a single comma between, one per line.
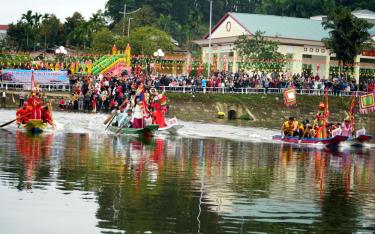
(333,141)
(148,130)
(358,141)
(35,126)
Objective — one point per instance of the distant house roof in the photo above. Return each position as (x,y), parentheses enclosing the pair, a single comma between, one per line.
(281,26)
(364,11)
(4,27)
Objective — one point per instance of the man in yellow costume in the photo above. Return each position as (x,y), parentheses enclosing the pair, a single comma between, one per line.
(321,120)
(290,127)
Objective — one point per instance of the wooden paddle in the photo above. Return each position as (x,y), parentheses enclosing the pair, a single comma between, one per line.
(7,123)
(110,122)
(110,117)
(50,110)
(119,130)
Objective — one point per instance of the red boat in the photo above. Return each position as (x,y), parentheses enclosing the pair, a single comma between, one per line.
(358,141)
(330,142)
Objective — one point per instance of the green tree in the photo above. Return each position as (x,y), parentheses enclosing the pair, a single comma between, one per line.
(97,21)
(103,41)
(259,53)
(75,29)
(146,40)
(17,36)
(28,18)
(52,31)
(348,35)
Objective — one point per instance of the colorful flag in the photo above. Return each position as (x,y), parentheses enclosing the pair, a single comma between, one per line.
(367,103)
(290,97)
(32,81)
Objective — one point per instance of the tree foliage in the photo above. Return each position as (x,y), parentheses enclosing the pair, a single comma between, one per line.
(147,40)
(255,50)
(103,41)
(183,20)
(348,34)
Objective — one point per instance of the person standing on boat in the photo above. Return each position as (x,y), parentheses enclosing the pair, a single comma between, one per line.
(138,117)
(290,127)
(36,106)
(157,105)
(346,128)
(320,122)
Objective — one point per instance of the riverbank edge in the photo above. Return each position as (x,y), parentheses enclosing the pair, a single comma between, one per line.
(252,108)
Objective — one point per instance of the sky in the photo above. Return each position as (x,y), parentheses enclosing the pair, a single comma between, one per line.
(12,10)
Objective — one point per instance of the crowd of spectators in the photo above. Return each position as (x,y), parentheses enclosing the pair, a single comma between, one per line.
(104,92)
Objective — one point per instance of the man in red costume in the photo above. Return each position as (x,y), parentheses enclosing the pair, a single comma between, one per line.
(156,104)
(46,116)
(23,114)
(36,106)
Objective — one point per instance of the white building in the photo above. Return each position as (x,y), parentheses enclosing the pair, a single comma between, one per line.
(301,38)
(3,31)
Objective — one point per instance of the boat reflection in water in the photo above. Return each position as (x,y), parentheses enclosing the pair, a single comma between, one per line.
(34,150)
(188,185)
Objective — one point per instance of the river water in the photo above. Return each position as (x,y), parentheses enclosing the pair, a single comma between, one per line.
(210,178)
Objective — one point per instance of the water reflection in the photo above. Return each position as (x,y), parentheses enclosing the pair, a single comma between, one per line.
(184,185)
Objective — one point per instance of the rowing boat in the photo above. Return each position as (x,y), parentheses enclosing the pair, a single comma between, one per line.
(333,141)
(359,140)
(148,130)
(35,126)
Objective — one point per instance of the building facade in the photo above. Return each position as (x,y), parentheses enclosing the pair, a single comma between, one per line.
(3,31)
(299,38)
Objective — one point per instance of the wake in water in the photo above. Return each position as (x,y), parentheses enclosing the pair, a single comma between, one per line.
(67,122)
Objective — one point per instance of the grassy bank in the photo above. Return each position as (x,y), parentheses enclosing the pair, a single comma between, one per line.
(266,108)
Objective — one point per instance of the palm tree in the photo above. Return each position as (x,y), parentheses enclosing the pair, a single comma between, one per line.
(28,17)
(45,18)
(97,21)
(36,17)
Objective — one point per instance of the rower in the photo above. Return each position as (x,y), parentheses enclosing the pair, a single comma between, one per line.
(126,120)
(305,129)
(46,116)
(290,127)
(24,110)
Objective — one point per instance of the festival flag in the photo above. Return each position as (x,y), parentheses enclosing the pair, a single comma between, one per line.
(188,70)
(351,110)
(32,81)
(367,103)
(143,96)
(290,97)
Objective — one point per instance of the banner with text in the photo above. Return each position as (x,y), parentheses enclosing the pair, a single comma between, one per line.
(40,76)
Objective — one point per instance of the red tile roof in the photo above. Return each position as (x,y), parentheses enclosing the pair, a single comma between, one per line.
(4,27)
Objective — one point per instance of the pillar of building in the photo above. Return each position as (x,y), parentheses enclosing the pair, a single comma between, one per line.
(187,63)
(326,67)
(235,65)
(357,61)
(219,61)
(297,63)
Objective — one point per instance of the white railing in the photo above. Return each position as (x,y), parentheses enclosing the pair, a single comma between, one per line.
(58,87)
(312,92)
(53,87)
